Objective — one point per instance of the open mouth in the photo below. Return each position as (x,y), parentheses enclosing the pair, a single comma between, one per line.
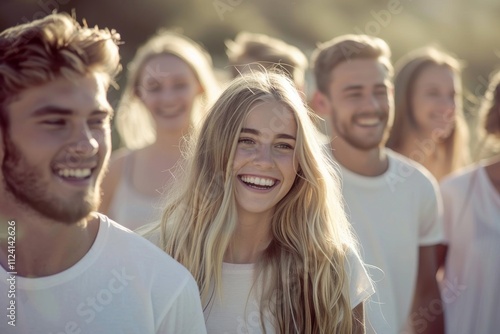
(170,112)
(74,174)
(368,121)
(260,183)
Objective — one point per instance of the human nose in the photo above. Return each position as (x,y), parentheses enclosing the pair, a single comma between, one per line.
(371,103)
(84,145)
(449,106)
(264,157)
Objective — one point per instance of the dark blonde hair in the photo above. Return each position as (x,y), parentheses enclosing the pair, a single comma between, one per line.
(35,53)
(408,70)
(268,52)
(329,55)
(306,286)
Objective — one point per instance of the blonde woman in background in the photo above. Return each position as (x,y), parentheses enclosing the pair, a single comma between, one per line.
(258,219)
(429,125)
(170,82)
(471,200)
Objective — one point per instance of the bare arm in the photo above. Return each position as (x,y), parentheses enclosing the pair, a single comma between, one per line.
(358,319)
(427,310)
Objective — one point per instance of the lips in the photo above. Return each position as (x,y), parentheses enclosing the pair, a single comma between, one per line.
(170,112)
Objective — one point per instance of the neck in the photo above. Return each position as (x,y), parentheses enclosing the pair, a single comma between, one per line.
(372,162)
(250,240)
(169,140)
(427,151)
(43,247)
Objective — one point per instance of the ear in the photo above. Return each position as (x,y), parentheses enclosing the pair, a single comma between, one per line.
(320,103)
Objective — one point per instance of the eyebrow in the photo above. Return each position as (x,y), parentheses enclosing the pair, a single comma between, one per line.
(257,133)
(360,87)
(53,110)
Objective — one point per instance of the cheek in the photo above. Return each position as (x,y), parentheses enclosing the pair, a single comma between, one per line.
(289,165)
(148,100)
(241,157)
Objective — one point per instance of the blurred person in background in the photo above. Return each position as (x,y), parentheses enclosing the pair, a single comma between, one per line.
(251,51)
(258,52)
(170,84)
(392,202)
(429,125)
(471,198)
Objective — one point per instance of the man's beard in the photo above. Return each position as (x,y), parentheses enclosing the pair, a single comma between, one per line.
(361,144)
(25,182)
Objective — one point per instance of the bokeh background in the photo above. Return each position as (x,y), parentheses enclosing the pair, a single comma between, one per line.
(467,29)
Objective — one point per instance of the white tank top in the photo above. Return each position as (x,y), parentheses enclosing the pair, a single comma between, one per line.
(129,207)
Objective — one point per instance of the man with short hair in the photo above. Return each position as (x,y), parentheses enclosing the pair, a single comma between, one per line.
(252,51)
(65,268)
(393,203)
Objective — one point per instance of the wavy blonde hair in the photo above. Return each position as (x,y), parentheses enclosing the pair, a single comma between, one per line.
(408,69)
(133,121)
(55,46)
(307,285)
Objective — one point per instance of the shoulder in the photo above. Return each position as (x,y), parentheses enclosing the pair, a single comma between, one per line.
(412,166)
(410,171)
(147,259)
(455,186)
(460,178)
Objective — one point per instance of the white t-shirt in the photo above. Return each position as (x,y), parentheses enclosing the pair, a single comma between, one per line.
(124,284)
(393,214)
(470,289)
(237,310)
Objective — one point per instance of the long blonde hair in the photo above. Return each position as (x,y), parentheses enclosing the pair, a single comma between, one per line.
(133,121)
(307,289)
(407,71)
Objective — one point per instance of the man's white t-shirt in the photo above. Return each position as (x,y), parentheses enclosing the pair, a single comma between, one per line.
(393,214)
(124,284)
(237,309)
(470,290)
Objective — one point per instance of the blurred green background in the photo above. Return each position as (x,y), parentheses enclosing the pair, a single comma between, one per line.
(467,29)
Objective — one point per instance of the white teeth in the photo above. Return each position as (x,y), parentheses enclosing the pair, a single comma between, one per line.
(259,181)
(76,173)
(368,121)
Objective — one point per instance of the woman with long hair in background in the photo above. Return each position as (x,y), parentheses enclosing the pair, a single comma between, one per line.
(429,125)
(170,84)
(471,199)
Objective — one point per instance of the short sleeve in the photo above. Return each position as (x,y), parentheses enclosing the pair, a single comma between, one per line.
(360,285)
(185,314)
